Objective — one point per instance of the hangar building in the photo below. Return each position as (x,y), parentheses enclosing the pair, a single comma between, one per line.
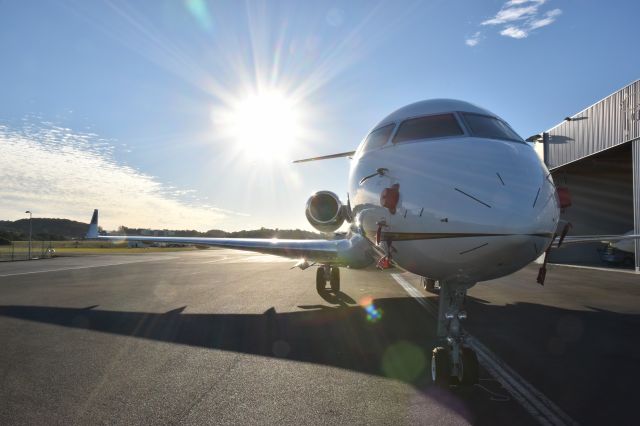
(596,155)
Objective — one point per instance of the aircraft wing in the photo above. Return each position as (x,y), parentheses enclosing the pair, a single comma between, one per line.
(327,157)
(594,239)
(344,252)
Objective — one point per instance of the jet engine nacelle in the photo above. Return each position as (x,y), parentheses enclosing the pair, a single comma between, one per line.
(325,212)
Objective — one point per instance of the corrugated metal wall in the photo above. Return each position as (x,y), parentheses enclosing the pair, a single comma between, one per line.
(610,122)
(636,197)
(613,121)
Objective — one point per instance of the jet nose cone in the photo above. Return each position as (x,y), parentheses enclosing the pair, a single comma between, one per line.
(524,195)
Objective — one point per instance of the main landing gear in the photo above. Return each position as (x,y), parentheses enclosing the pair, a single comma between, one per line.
(454,362)
(327,273)
(431,285)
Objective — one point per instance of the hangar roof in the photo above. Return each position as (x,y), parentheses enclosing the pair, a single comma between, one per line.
(610,122)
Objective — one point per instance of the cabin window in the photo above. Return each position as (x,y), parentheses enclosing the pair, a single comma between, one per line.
(432,126)
(378,137)
(484,126)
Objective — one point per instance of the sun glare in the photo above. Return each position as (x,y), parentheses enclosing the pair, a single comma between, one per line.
(263,125)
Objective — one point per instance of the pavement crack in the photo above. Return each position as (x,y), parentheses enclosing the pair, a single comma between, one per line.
(187,411)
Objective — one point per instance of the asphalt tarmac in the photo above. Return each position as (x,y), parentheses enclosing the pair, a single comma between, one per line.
(227,337)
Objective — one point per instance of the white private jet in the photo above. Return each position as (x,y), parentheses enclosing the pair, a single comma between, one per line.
(440,188)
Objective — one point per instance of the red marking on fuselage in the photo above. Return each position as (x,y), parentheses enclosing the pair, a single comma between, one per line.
(390,197)
(564,197)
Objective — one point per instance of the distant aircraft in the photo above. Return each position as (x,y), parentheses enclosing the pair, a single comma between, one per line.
(440,188)
(624,245)
(619,252)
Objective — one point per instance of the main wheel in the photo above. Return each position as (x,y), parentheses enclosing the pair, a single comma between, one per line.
(469,370)
(335,279)
(440,366)
(429,285)
(321,280)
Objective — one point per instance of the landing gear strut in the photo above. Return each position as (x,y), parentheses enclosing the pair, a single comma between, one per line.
(327,273)
(454,362)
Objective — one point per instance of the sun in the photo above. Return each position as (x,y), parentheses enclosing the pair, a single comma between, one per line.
(263,125)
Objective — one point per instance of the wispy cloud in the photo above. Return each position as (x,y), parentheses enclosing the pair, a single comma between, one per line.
(519,18)
(56,172)
(509,13)
(513,32)
(473,40)
(548,19)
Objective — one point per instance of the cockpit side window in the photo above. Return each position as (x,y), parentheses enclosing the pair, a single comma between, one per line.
(377,138)
(429,127)
(484,126)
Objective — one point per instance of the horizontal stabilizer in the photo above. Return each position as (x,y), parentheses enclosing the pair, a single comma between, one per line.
(327,157)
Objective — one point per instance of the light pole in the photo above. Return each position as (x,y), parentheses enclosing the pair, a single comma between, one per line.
(30,229)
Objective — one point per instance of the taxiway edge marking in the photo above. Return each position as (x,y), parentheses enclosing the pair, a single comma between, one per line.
(595,268)
(532,400)
(83,267)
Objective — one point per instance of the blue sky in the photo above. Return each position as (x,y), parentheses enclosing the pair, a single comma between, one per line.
(117,106)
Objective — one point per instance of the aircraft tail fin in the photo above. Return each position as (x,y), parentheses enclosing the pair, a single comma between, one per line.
(92,233)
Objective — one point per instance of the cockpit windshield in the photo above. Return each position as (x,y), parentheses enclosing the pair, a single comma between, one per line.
(429,127)
(377,138)
(484,126)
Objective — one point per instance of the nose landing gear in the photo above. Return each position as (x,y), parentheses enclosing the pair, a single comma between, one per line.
(327,273)
(455,363)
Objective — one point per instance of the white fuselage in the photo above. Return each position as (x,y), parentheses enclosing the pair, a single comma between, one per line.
(469,209)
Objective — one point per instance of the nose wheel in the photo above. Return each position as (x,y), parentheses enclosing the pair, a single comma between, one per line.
(440,366)
(468,370)
(442,372)
(327,273)
(454,363)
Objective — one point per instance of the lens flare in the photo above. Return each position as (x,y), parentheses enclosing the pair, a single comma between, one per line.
(403,361)
(200,11)
(373,314)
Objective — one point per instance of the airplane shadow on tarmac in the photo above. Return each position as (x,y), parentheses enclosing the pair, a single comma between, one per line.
(586,361)
(339,336)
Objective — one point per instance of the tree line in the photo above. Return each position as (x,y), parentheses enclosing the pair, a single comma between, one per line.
(49,229)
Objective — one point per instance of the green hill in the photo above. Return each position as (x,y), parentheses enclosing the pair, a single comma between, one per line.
(43,229)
